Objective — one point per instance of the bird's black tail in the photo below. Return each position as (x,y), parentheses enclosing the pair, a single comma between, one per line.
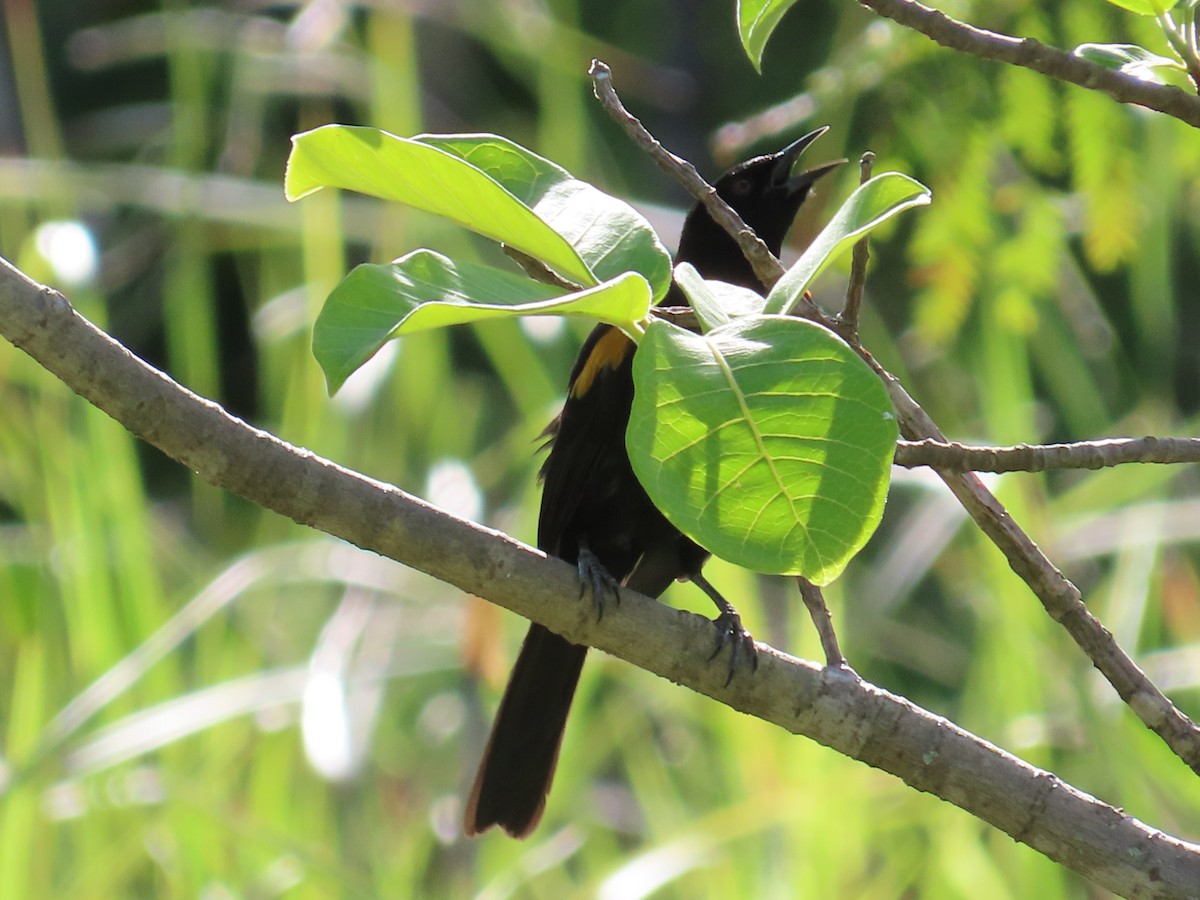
(518,763)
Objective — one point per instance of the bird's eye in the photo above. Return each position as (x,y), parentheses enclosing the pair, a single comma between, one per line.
(740,187)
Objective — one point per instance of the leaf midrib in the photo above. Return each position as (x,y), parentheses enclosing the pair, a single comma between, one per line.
(735,389)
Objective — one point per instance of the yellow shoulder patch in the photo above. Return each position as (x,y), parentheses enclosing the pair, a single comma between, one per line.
(608,353)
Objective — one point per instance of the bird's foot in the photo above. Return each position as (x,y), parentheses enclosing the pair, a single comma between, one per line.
(731,632)
(594,577)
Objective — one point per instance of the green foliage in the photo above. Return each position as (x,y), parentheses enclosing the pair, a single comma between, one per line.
(767,440)
(498,189)
(1030,123)
(772,509)
(953,241)
(1105,174)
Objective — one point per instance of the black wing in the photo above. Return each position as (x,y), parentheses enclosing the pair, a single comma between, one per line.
(588,468)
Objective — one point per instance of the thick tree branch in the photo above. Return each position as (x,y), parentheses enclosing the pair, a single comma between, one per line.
(1031,54)
(833,707)
(950,456)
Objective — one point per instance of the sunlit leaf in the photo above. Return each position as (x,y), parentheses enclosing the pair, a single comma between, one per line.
(756,21)
(767,441)
(422,290)
(610,235)
(870,205)
(414,172)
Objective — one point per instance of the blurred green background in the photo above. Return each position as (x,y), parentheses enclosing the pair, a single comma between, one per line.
(200,699)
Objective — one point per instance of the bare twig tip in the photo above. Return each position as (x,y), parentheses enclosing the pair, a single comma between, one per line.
(865,164)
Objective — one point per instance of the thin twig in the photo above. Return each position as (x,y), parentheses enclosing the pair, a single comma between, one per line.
(858,262)
(1193,41)
(950,456)
(814,601)
(1031,54)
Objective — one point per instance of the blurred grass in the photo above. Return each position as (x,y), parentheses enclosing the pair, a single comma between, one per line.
(189,687)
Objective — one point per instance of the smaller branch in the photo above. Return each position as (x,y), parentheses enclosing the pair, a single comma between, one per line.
(858,262)
(1031,54)
(948,456)
(767,268)
(814,600)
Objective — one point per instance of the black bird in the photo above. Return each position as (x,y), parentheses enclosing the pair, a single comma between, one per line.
(596,514)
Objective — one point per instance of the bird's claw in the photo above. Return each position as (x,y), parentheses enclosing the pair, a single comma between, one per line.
(594,577)
(731,631)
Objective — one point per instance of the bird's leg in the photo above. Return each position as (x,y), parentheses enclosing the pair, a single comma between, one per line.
(594,577)
(730,629)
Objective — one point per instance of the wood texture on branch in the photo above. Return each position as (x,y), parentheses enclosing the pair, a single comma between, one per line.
(1032,54)
(954,457)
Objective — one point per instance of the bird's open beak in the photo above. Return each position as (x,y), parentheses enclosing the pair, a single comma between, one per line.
(782,175)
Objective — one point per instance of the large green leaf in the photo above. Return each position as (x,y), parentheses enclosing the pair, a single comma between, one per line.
(608,233)
(419,174)
(767,441)
(756,21)
(869,206)
(376,303)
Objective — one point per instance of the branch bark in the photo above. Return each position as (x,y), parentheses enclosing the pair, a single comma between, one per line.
(831,706)
(1031,54)
(950,456)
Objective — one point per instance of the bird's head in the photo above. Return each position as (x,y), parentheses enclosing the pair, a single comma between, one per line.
(767,195)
